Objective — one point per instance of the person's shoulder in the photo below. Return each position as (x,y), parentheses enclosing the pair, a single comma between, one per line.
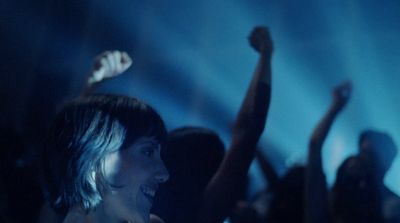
(391,205)
(155,219)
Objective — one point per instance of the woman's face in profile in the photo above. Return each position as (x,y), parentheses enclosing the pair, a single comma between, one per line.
(135,174)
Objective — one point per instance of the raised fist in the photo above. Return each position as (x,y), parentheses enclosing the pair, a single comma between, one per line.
(109,64)
(260,40)
(342,93)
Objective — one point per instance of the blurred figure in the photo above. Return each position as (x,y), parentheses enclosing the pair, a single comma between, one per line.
(282,200)
(356,194)
(316,191)
(192,157)
(288,198)
(215,188)
(379,150)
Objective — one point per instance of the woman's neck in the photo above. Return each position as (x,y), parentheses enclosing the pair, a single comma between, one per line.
(98,215)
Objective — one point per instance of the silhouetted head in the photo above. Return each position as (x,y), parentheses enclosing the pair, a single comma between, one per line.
(356,192)
(287,202)
(192,156)
(104,151)
(378,148)
(245,213)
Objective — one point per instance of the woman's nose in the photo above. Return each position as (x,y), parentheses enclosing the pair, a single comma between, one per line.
(162,174)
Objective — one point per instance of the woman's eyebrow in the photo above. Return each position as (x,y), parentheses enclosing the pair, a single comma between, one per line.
(150,142)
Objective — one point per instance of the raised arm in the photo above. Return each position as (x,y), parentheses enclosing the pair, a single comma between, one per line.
(316,194)
(267,169)
(107,65)
(223,190)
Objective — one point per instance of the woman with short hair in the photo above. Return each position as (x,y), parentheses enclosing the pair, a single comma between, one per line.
(101,160)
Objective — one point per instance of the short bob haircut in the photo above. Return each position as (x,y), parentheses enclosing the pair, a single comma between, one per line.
(83,133)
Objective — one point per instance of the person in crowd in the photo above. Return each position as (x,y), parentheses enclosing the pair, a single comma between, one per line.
(316,191)
(192,157)
(287,198)
(205,146)
(356,196)
(101,160)
(249,127)
(221,185)
(379,150)
(283,198)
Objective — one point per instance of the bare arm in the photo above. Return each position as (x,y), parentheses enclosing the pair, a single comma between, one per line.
(222,191)
(107,65)
(316,193)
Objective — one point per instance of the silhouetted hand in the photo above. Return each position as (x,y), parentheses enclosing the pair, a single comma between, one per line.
(109,64)
(342,94)
(260,40)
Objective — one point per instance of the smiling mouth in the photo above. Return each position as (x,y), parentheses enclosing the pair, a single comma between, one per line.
(149,192)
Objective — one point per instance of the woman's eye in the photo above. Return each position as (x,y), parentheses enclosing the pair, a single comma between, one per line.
(149,151)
